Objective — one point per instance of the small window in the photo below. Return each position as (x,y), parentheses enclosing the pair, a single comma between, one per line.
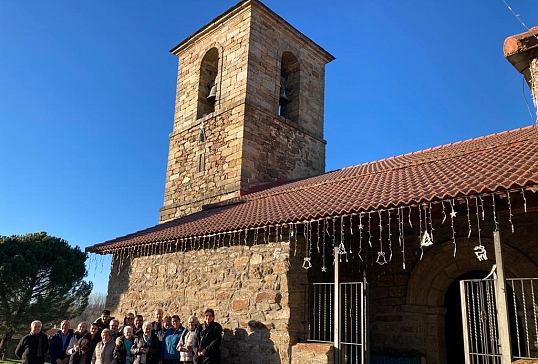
(201,162)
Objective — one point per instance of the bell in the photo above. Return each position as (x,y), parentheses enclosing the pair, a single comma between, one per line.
(212,92)
(282,98)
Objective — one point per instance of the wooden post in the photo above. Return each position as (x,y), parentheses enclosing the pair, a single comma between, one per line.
(336,306)
(500,298)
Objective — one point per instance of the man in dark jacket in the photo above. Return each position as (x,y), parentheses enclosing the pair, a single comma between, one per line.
(157,326)
(104,321)
(59,343)
(33,347)
(209,340)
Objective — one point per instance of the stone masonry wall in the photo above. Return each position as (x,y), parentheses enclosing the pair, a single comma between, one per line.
(288,151)
(230,37)
(203,172)
(270,38)
(257,293)
(246,142)
(199,172)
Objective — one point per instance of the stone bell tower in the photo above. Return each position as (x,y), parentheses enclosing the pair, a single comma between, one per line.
(249,109)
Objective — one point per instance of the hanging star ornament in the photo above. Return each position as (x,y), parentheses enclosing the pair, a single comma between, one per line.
(324,269)
(453,214)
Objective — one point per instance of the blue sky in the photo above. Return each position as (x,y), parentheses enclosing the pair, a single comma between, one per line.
(87,96)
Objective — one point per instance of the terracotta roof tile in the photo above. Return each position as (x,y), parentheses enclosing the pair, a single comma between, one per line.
(486,164)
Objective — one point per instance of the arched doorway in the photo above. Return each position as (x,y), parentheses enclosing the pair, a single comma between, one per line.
(453,320)
(431,278)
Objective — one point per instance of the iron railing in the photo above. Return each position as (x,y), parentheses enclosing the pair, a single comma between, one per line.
(321,316)
(522,297)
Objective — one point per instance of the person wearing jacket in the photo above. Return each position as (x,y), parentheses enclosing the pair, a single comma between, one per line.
(124,344)
(59,343)
(104,320)
(81,349)
(169,353)
(146,347)
(77,348)
(187,343)
(138,322)
(33,347)
(209,340)
(104,349)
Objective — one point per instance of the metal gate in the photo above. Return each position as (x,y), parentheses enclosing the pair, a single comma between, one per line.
(480,327)
(351,329)
(481,324)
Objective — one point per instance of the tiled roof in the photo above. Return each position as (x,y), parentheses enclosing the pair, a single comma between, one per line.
(486,164)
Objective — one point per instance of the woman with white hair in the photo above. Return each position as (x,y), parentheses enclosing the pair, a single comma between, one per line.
(146,348)
(104,349)
(124,343)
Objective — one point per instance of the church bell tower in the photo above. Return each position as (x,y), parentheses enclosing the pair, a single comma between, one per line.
(249,109)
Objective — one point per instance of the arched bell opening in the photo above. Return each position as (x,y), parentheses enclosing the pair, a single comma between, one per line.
(207,87)
(288,98)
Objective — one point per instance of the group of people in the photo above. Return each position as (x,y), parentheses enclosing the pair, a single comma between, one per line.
(163,341)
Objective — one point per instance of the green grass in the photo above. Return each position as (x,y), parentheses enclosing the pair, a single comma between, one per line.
(9,361)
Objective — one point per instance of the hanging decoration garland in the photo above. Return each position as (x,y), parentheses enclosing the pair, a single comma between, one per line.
(381,260)
(426,233)
(468,217)
(307,261)
(341,246)
(351,236)
(390,241)
(369,229)
(510,212)
(325,232)
(401,240)
(334,241)
(480,250)
(360,237)
(452,216)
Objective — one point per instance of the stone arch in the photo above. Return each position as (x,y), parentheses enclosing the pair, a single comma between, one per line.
(208,76)
(432,276)
(290,79)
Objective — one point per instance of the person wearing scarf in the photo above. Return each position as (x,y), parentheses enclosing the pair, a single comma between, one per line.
(147,347)
(187,343)
(33,347)
(77,347)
